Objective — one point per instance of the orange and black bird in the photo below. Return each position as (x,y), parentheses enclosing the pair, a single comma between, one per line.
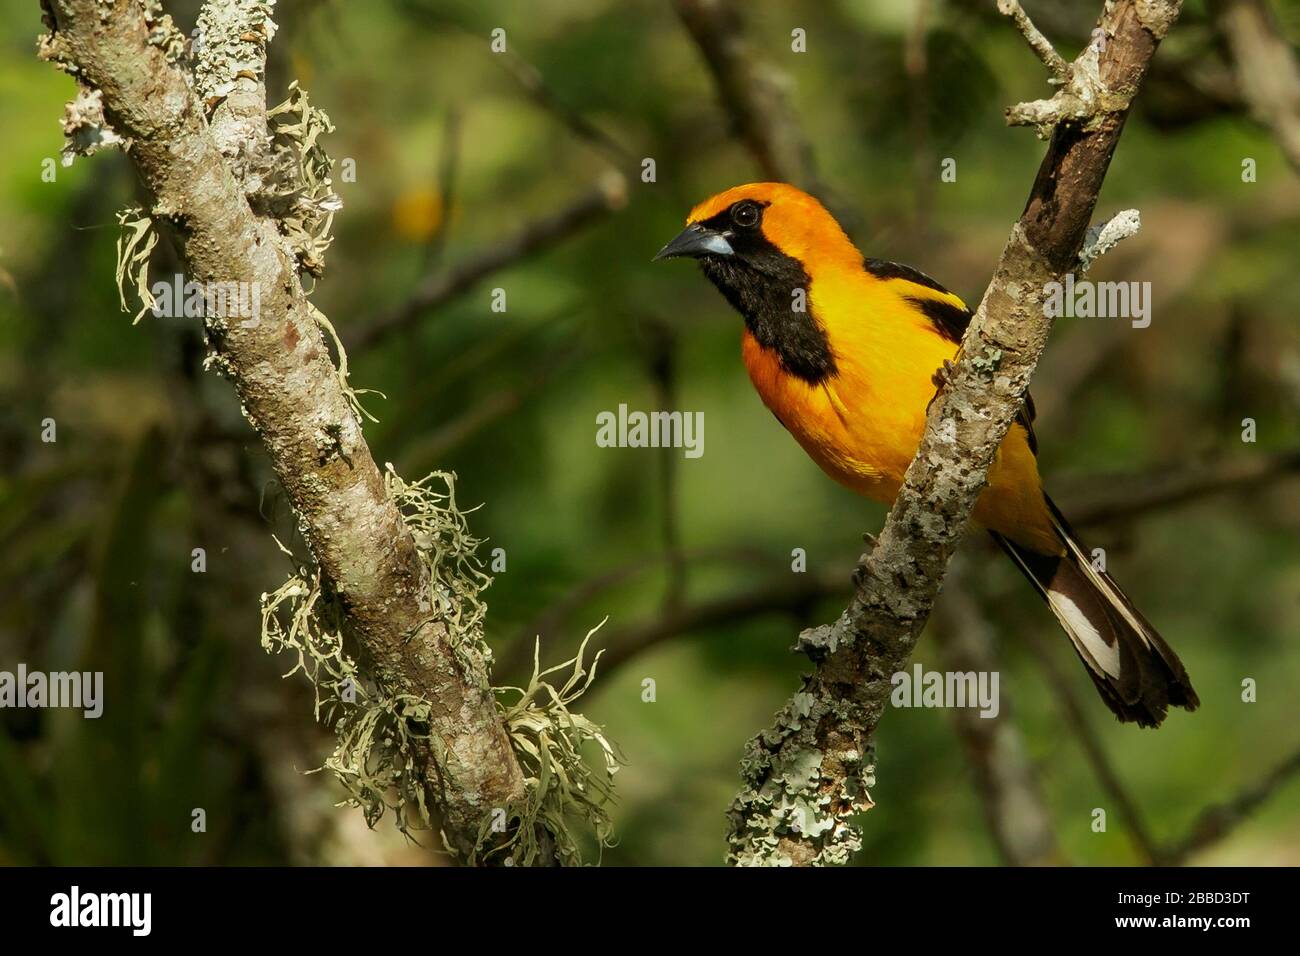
(844,350)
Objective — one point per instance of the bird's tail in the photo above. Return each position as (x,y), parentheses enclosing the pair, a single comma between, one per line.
(1137,673)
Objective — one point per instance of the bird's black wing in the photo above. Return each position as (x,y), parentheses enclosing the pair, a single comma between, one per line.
(948,317)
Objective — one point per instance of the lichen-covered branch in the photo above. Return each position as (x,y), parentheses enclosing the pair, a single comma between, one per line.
(1041,46)
(1087,96)
(810,773)
(244,193)
(1105,236)
(230,73)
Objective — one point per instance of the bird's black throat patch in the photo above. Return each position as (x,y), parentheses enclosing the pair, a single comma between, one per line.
(760,282)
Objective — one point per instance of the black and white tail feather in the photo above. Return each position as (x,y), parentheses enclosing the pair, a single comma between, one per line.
(1137,673)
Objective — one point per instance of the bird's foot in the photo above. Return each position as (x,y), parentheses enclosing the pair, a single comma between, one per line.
(941,378)
(943,375)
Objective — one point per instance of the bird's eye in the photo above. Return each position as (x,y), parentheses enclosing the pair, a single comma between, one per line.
(745,214)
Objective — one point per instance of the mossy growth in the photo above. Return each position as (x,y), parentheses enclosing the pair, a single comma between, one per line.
(549,740)
(375,755)
(298,190)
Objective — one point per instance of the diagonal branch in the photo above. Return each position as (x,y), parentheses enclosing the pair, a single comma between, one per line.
(1094,752)
(1120,497)
(534,84)
(805,777)
(1041,46)
(1216,822)
(291,392)
(787,594)
(752,91)
(1092,500)
(1266,67)
(608,195)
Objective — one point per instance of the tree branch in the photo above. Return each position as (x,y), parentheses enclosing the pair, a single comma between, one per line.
(1216,822)
(1119,497)
(1266,69)
(1041,46)
(1091,500)
(752,92)
(1005,777)
(787,594)
(230,73)
(609,195)
(805,777)
(550,619)
(539,91)
(425,452)
(291,393)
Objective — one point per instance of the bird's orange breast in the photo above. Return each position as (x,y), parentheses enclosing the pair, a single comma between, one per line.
(863,423)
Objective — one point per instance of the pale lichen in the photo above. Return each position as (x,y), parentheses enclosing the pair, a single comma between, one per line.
(134,247)
(85,129)
(450,554)
(792,789)
(162,31)
(353,395)
(230,44)
(298,191)
(1084,97)
(1104,236)
(549,739)
(375,756)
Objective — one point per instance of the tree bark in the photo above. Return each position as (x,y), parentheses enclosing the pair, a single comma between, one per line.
(291,392)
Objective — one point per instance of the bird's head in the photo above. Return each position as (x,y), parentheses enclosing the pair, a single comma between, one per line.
(753,225)
(764,245)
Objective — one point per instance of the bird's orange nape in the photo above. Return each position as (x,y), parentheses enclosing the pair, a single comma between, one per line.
(793,221)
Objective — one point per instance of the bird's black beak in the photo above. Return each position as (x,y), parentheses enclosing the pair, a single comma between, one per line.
(696,241)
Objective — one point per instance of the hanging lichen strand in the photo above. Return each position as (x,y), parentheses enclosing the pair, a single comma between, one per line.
(374,757)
